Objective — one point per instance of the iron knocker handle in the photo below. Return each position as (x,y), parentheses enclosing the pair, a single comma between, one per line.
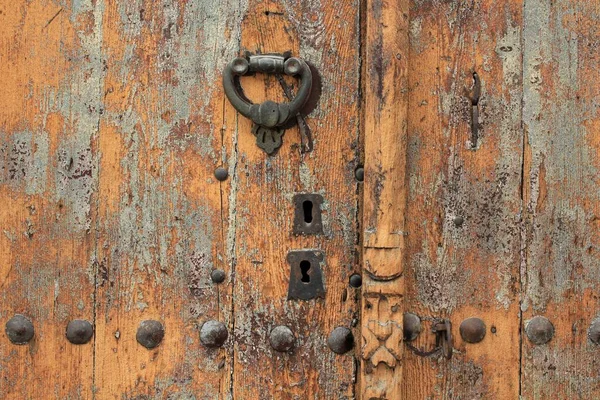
(269,113)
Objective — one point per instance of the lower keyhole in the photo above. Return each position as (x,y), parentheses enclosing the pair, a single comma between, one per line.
(304,268)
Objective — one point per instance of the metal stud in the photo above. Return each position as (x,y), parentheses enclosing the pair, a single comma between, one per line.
(360,174)
(539,330)
(472,330)
(19,329)
(355,280)
(341,340)
(594,332)
(213,333)
(459,221)
(150,333)
(412,326)
(221,174)
(217,276)
(79,331)
(282,338)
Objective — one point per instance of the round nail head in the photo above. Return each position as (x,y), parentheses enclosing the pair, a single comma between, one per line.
(594,332)
(79,331)
(472,330)
(217,276)
(340,340)
(355,280)
(19,329)
(412,326)
(150,333)
(360,174)
(221,174)
(282,338)
(459,221)
(292,66)
(239,66)
(213,333)
(539,330)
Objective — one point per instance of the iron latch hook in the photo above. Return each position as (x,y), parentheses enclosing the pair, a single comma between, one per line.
(444,341)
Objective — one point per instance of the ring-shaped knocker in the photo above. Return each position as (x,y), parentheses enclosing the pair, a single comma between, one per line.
(269,117)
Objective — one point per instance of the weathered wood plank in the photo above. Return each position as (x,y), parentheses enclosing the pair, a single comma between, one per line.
(326,35)
(385,109)
(561,122)
(463,209)
(163,216)
(50,77)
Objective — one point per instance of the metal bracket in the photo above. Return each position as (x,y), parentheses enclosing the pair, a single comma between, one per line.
(306,277)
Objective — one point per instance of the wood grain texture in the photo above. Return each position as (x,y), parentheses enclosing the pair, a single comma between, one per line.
(325,34)
(113,120)
(561,123)
(49,111)
(162,225)
(463,210)
(385,108)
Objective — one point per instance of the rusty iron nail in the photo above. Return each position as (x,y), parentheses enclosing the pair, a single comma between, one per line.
(539,330)
(340,340)
(221,174)
(594,332)
(19,329)
(472,330)
(217,276)
(360,174)
(213,333)
(150,333)
(79,331)
(282,338)
(355,280)
(412,326)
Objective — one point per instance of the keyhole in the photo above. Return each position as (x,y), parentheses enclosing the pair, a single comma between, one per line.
(304,268)
(307,206)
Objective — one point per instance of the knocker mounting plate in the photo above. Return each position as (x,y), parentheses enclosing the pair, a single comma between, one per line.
(270,118)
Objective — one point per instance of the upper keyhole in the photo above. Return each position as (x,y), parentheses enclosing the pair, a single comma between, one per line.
(304,268)
(307,206)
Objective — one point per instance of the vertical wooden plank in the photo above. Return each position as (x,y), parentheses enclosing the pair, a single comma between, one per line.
(326,35)
(385,102)
(561,123)
(163,216)
(50,74)
(463,210)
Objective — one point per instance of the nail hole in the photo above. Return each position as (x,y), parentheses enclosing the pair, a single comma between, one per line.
(307,206)
(304,268)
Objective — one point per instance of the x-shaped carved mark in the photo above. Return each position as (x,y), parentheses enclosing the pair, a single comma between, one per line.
(382,342)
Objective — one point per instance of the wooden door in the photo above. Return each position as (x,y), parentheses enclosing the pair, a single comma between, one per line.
(148,244)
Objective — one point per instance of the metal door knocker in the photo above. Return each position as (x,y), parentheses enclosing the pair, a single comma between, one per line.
(270,118)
